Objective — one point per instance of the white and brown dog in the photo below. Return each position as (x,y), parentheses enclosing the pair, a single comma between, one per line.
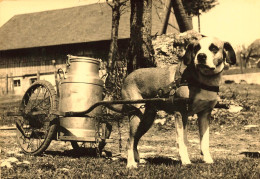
(204,62)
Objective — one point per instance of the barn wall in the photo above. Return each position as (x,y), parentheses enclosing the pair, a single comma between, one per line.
(22,65)
(20,68)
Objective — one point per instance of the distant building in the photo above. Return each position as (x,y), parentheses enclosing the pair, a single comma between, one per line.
(29,42)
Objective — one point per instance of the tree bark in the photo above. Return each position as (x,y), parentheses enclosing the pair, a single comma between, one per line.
(113,51)
(181,16)
(111,82)
(140,52)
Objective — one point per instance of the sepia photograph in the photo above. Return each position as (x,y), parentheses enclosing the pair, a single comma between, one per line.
(130,89)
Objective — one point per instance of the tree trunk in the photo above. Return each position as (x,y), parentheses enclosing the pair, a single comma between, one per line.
(181,16)
(113,55)
(140,52)
(113,51)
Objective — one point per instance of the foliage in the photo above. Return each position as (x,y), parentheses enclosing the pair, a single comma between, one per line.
(255,47)
(252,51)
(246,53)
(195,7)
(113,86)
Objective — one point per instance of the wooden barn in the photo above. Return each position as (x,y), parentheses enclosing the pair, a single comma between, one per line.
(30,42)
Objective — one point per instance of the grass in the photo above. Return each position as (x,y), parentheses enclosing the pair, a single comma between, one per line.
(228,137)
(237,70)
(86,167)
(4,109)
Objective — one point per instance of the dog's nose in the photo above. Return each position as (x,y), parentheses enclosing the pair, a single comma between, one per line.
(202,58)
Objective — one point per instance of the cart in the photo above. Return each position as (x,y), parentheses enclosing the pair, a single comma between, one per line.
(72,112)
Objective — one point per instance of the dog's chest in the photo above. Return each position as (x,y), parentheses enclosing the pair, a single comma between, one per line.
(202,100)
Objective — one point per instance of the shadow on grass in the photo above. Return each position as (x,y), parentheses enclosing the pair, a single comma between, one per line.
(251,154)
(169,161)
(81,152)
(162,160)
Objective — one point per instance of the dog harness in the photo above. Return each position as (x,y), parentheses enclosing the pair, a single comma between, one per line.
(185,76)
(188,77)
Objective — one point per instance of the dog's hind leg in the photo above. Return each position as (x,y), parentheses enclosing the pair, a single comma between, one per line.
(132,144)
(139,125)
(181,136)
(203,121)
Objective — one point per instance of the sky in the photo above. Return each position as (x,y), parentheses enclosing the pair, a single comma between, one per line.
(236,21)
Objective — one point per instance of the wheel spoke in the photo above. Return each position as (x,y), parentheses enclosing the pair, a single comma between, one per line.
(36,104)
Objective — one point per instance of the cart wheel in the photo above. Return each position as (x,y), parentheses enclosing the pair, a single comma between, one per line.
(36,128)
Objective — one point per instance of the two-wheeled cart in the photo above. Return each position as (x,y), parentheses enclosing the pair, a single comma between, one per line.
(72,114)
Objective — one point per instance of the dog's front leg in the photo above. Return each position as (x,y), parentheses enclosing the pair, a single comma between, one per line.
(203,121)
(181,137)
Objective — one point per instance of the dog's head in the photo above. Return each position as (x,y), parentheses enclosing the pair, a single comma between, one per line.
(209,55)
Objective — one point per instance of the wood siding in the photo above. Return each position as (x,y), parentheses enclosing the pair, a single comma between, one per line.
(24,64)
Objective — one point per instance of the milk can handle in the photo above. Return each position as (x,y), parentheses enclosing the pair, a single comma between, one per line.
(68,61)
(63,72)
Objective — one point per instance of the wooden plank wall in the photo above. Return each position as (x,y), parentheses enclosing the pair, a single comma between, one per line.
(22,63)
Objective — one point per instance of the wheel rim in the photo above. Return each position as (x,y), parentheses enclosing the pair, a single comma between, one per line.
(33,130)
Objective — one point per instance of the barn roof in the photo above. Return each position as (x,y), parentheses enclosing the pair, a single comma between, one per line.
(66,26)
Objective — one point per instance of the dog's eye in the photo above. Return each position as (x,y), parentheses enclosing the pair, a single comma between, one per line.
(196,48)
(213,48)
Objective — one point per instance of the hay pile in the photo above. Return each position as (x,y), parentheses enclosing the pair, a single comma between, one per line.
(171,47)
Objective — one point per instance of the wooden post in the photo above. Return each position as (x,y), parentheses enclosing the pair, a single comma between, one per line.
(38,75)
(56,77)
(167,16)
(241,58)
(11,83)
(6,83)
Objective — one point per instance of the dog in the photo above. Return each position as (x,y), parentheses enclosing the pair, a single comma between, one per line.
(201,68)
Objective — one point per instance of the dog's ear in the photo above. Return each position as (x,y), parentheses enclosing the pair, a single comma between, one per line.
(230,53)
(190,53)
(188,56)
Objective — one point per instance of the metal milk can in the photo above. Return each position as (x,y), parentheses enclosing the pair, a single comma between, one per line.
(80,88)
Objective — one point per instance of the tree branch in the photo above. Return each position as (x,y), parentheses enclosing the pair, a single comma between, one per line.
(123,3)
(111,5)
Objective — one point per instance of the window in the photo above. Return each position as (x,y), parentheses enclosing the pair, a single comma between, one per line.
(32,80)
(17,83)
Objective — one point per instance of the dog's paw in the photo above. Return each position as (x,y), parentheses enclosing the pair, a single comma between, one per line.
(188,162)
(131,165)
(208,160)
(185,160)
